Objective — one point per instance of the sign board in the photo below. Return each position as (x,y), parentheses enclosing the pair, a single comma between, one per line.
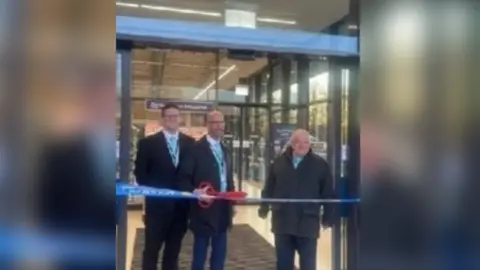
(241,90)
(155,105)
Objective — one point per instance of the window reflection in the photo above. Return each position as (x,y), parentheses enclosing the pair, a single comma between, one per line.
(118,108)
(318,124)
(319,78)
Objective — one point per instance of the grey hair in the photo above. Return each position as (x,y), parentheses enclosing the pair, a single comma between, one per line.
(289,142)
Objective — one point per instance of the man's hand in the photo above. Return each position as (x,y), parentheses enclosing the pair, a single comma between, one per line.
(202,194)
(263,212)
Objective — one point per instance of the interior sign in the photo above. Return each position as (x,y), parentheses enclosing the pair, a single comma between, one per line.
(191,106)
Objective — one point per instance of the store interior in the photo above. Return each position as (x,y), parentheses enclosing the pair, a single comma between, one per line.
(258,93)
(245,86)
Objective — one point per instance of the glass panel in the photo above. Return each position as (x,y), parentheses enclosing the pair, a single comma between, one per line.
(277,84)
(265,76)
(293,83)
(318,80)
(318,128)
(118,109)
(123,166)
(246,132)
(232,137)
(255,144)
(344,140)
(289,115)
(234,80)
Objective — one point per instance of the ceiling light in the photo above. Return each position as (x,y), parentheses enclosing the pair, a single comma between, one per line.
(182,10)
(273,20)
(123,4)
(225,73)
(199,12)
(241,90)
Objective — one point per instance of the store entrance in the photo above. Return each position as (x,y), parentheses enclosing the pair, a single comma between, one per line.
(246,134)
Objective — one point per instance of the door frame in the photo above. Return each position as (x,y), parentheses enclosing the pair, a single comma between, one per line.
(243,107)
(124,157)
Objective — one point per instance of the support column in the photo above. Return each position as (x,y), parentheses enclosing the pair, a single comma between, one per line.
(353,142)
(353,165)
(286,67)
(124,160)
(269,142)
(334,147)
(303,82)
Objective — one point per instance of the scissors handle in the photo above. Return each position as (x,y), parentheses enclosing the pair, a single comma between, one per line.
(229,195)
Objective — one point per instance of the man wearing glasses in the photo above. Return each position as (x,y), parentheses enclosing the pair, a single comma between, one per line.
(158,158)
(209,162)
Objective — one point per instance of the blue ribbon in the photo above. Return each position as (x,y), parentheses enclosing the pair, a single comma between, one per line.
(130,190)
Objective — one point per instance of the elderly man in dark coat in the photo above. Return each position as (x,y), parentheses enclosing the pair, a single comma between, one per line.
(298,174)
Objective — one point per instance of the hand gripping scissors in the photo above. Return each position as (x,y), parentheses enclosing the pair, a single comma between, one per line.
(232,196)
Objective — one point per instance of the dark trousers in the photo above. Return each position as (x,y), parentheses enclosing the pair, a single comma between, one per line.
(218,243)
(161,231)
(285,247)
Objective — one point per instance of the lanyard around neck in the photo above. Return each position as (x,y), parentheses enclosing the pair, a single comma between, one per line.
(174,153)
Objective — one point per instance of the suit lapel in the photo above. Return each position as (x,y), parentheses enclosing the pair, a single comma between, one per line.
(209,151)
(206,146)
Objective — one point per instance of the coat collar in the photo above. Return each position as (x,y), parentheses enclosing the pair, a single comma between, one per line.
(289,153)
(205,142)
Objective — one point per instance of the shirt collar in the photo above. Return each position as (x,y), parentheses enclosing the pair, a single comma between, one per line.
(212,141)
(169,135)
(295,157)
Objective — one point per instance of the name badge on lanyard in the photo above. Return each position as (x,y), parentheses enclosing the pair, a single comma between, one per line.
(221,166)
(174,153)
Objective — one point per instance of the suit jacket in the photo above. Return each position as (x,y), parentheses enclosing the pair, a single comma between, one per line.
(201,166)
(311,180)
(154,168)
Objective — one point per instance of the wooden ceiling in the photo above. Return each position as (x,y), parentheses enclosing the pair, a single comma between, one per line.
(183,74)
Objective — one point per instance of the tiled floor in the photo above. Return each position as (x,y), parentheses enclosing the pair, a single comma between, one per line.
(245,215)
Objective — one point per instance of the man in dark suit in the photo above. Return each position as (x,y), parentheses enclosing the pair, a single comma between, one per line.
(298,173)
(209,162)
(158,158)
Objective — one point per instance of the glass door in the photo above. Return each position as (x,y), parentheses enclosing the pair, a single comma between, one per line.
(232,137)
(123,150)
(256,158)
(246,135)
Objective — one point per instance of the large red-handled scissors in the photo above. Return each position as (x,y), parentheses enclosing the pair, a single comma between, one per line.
(210,191)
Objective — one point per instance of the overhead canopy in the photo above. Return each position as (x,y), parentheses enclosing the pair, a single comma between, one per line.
(216,35)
